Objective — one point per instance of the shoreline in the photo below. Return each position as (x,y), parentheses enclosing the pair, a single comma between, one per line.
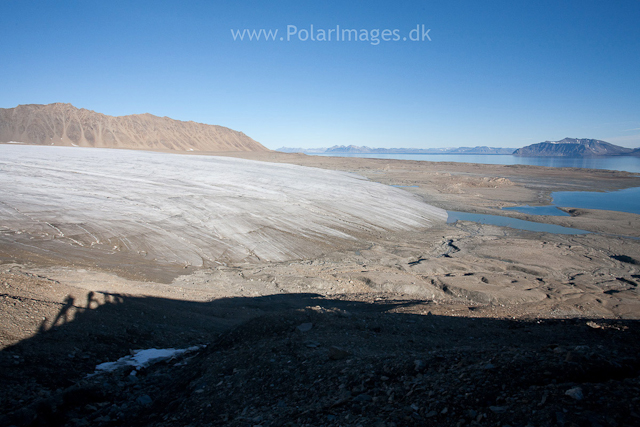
(474,188)
(472,300)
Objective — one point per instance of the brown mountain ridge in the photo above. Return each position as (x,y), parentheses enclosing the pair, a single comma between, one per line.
(65,125)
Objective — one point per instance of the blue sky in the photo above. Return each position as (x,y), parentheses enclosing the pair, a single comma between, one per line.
(499,73)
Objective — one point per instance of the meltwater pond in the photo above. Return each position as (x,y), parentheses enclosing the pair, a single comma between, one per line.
(519,224)
(627,200)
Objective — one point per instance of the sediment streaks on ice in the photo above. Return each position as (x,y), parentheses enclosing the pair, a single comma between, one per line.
(183,209)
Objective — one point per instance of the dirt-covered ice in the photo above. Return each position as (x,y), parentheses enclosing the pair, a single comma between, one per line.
(190,210)
(416,314)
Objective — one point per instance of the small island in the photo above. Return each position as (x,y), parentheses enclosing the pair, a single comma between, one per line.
(575,147)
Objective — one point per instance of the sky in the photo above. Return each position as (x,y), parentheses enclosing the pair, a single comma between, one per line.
(500,73)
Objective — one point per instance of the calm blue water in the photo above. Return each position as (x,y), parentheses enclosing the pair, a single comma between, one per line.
(519,224)
(627,200)
(623,163)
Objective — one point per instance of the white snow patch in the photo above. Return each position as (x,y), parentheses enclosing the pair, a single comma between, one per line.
(13,142)
(143,358)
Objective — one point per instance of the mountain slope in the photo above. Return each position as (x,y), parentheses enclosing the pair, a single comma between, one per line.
(573,147)
(64,124)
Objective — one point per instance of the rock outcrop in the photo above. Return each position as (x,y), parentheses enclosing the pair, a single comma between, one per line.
(65,125)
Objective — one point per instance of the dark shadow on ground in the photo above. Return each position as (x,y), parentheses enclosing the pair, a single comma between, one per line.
(358,364)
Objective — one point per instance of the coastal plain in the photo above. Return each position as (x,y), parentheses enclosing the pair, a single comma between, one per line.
(249,224)
(540,274)
(141,236)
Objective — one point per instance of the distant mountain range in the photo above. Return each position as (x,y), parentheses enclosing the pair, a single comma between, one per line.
(342,149)
(574,147)
(568,147)
(64,124)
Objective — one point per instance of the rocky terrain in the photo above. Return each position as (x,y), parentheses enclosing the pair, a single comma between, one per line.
(303,359)
(458,324)
(65,125)
(573,147)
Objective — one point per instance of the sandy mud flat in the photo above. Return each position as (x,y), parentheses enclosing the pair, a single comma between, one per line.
(109,251)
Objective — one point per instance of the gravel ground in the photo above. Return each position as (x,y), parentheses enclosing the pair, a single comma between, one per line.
(454,325)
(342,361)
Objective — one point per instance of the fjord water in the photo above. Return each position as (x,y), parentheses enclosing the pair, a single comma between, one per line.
(618,163)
